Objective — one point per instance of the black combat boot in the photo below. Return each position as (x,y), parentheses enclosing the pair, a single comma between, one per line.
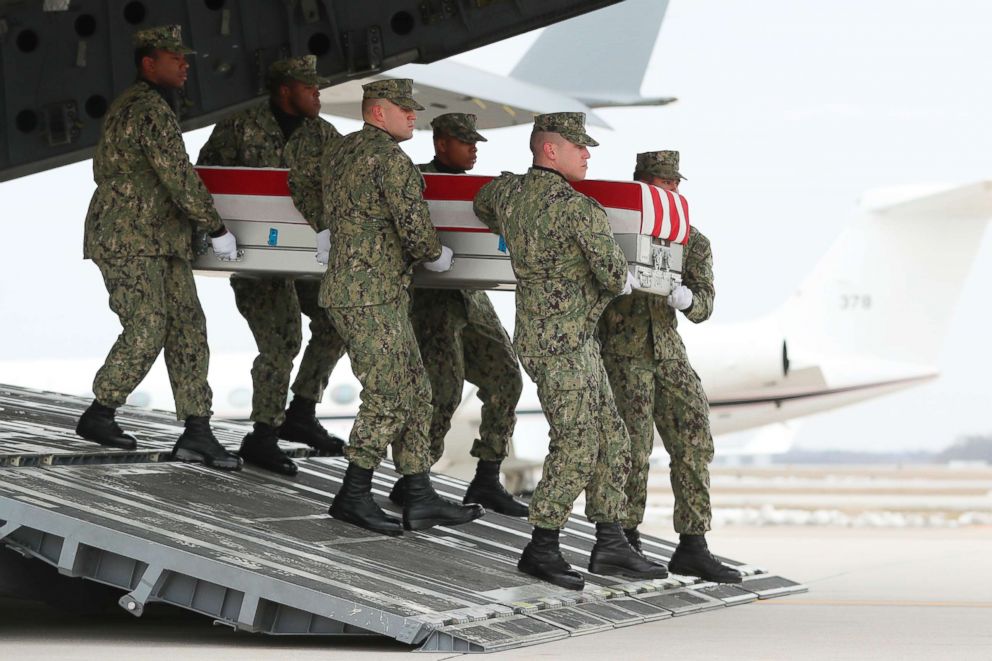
(542,558)
(486,490)
(199,445)
(260,447)
(692,557)
(398,492)
(97,424)
(301,425)
(634,539)
(353,503)
(613,555)
(425,509)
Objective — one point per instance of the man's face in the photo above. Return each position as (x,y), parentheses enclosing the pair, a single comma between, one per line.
(166,68)
(303,99)
(665,184)
(572,161)
(397,122)
(454,153)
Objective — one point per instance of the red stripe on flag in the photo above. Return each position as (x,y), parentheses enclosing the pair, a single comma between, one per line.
(659,211)
(614,194)
(685,217)
(453,188)
(245,181)
(676,219)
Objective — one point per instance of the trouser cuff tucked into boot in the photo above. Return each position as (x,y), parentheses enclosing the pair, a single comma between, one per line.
(425,509)
(692,557)
(613,555)
(486,490)
(542,559)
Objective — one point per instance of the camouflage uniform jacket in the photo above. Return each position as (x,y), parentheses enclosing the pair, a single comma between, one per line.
(380,226)
(645,326)
(567,264)
(252,138)
(148,198)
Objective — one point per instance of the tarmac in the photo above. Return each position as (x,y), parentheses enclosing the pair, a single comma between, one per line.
(881,593)
(896,558)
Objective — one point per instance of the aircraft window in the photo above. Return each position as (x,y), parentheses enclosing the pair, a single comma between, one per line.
(239,397)
(214,5)
(85,25)
(27,40)
(27,121)
(344,394)
(319,44)
(402,23)
(134,12)
(96,106)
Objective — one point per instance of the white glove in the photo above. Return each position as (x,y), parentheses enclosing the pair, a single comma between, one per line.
(225,246)
(630,285)
(680,298)
(442,263)
(323,246)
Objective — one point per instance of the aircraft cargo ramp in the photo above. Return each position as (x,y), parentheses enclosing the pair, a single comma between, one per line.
(257,552)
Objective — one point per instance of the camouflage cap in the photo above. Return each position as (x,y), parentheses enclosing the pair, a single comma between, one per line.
(570,125)
(303,69)
(663,164)
(458,125)
(166,37)
(397,90)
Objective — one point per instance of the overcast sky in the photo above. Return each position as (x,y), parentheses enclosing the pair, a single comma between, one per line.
(795,106)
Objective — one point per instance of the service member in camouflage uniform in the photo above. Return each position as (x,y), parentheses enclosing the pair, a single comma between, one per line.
(654,385)
(286,131)
(460,336)
(568,268)
(379,230)
(139,229)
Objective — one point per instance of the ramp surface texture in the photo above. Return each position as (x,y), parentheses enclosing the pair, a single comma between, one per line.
(258,552)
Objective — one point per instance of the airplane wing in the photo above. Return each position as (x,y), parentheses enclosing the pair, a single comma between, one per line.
(450,86)
(575,66)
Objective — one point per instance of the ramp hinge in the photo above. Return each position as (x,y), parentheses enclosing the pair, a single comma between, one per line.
(363,50)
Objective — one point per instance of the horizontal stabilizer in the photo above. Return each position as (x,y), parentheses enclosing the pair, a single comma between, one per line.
(608,55)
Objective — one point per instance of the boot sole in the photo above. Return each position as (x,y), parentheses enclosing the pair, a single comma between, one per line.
(193,457)
(490,507)
(562,583)
(736,580)
(425,524)
(609,569)
(392,532)
(116,446)
(272,468)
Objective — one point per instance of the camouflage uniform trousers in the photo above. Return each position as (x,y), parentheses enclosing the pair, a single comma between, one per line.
(669,395)
(156,302)
(456,345)
(272,308)
(396,394)
(589,447)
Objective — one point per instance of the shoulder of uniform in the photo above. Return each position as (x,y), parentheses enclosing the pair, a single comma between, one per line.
(579,203)
(698,240)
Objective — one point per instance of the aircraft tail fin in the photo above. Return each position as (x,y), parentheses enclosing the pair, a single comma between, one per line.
(887,288)
(609,54)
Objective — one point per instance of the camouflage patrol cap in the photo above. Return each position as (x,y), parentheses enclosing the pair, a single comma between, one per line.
(303,69)
(663,164)
(570,125)
(166,37)
(397,90)
(458,125)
